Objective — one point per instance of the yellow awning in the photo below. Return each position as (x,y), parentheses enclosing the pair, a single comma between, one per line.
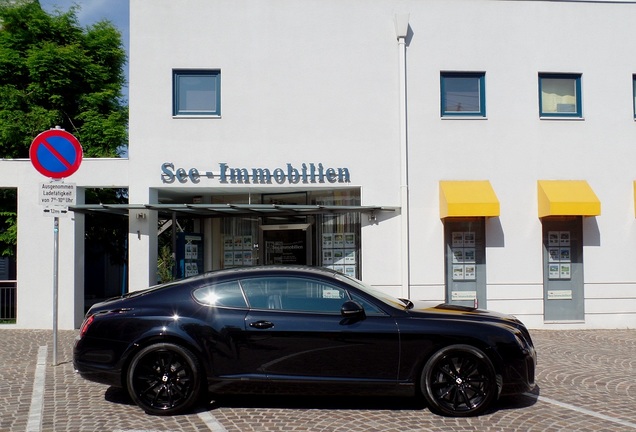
(567,198)
(467,198)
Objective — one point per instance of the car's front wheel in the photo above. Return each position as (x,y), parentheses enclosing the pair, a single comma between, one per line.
(164,379)
(459,380)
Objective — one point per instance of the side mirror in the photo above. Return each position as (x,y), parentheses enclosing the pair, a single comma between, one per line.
(352,309)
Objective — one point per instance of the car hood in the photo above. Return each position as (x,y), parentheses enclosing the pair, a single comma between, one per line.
(448,310)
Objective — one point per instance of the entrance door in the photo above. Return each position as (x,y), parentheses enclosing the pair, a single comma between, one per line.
(563,269)
(286,244)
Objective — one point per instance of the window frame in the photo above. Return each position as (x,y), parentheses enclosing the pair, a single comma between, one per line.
(481,76)
(179,73)
(634,94)
(576,77)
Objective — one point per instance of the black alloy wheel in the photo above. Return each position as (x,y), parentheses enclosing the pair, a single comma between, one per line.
(459,381)
(164,379)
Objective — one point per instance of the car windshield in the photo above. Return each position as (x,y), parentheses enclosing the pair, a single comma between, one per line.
(382,296)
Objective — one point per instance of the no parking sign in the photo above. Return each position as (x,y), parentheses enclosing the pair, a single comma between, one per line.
(56,153)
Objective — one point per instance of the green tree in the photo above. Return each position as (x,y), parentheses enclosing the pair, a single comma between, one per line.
(53,73)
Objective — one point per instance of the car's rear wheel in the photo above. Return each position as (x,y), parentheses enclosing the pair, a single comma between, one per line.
(164,379)
(459,380)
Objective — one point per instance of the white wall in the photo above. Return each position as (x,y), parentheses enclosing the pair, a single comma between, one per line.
(318,82)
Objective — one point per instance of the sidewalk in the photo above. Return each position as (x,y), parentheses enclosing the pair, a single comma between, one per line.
(586,382)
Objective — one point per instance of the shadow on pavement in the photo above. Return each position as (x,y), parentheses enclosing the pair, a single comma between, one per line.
(118,395)
(319,402)
(264,401)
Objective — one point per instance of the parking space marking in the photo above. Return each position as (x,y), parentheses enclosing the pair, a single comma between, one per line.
(37,397)
(582,410)
(211,422)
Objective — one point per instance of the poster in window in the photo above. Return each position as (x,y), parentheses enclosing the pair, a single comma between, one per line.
(238,242)
(469,255)
(349,240)
(458,272)
(228,258)
(469,239)
(458,255)
(238,258)
(191,251)
(191,269)
(228,242)
(565,271)
(350,270)
(327,257)
(247,242)
(338,256)
(457,238)
(564,238)
(469,272)
(338,240)
(565,254)
(248,258)
(327,241)
(559,255)
(350,256)
(339,268)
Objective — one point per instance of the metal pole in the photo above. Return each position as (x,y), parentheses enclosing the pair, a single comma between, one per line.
(56,248)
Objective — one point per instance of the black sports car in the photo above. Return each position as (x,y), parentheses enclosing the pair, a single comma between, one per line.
(299,329)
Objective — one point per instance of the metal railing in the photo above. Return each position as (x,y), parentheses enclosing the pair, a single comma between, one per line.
(8,300)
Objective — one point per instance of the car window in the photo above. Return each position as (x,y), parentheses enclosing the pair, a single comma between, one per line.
(294,294)
(226,294)
(369,308)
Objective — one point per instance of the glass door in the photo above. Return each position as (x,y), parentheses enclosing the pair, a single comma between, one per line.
(286,244)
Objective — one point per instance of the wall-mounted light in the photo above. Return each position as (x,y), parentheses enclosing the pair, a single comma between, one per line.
(141,215)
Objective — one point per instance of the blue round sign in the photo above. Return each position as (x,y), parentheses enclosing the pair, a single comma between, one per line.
(56,153)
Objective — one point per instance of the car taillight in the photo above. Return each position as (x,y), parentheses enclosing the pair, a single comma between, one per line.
(87,322)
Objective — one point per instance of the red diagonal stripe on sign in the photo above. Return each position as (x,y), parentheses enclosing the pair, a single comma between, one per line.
(55,153)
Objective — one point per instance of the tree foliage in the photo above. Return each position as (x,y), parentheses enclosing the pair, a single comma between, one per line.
(53,72)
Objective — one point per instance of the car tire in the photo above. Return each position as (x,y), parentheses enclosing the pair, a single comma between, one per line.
(164,379)
(459,381)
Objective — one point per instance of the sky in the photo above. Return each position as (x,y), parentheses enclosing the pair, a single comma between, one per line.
(91,11)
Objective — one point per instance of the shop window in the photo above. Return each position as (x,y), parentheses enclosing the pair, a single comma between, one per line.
(465,240)
(196,93)
(560,95)
(463,94)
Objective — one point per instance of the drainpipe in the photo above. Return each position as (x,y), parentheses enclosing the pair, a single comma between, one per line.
(401,29)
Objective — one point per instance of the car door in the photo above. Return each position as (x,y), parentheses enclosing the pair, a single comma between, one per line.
(294,328)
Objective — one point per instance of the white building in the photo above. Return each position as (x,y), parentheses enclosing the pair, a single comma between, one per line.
(469,151)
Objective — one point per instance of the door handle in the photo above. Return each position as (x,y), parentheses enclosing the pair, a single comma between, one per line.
(261,325)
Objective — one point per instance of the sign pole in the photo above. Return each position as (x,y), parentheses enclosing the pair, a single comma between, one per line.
(56,261)
(56,154)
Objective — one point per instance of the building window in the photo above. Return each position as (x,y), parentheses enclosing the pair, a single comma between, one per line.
(634,93)
(560,95)
(197,93)
(463,94)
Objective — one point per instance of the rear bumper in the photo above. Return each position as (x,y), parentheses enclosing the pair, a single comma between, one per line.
(97,365)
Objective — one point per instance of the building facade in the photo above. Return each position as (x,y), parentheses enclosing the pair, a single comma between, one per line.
(478,152)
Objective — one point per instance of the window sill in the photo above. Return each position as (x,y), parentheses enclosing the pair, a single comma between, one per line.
(196,116)
(468,117)
(562,118)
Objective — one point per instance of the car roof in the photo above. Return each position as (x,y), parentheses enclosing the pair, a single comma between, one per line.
(266,270)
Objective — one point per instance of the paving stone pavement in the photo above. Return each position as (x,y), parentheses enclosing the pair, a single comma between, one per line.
(586,382)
